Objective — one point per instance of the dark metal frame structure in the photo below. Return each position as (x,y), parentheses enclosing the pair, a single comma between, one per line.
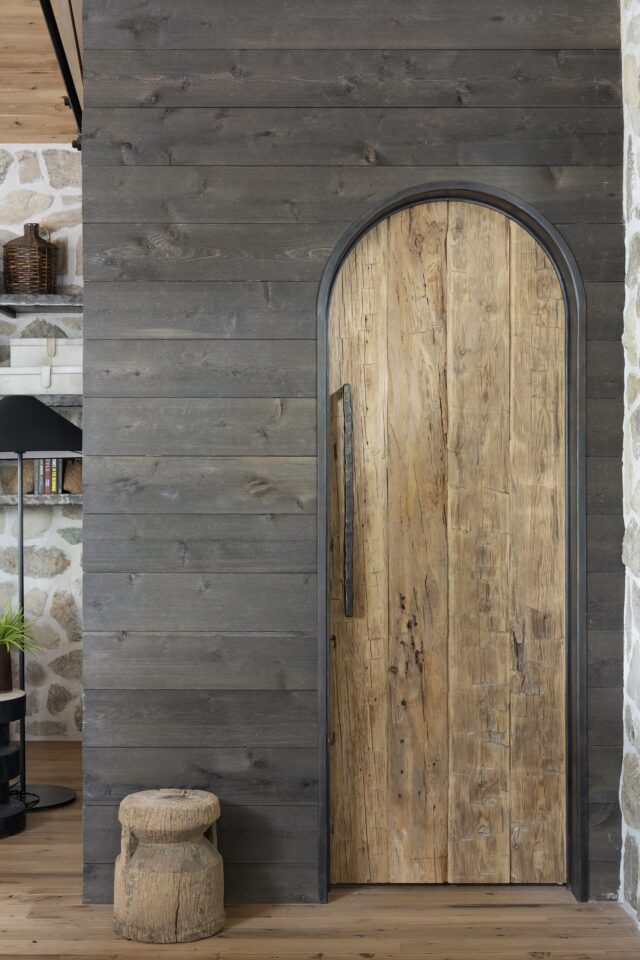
(575,351)
(63,63)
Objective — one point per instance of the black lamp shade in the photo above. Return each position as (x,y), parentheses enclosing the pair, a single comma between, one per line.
(29,426)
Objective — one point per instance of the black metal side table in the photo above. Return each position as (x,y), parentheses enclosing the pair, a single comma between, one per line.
(13,816)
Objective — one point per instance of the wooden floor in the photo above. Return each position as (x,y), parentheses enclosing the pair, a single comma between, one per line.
(41,914)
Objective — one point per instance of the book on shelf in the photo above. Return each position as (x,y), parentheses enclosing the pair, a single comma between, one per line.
(48,474)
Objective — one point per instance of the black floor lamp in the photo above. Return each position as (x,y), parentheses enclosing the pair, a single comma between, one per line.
(29,428)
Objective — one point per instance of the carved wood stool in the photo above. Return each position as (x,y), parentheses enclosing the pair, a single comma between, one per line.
(168,879)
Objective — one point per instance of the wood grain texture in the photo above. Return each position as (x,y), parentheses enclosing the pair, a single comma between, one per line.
(177,485)
(254,775)
(184,310)
(417,545)
(285,23)
(220,601)
(363,78)
(279,251)
(478,530)
(118,194)
(193,542)
(200,427)
(246,833)
(354,135)
(201,368)
(32,92)
(537,575)
(199,661)
(358,663)
(229,718)
(359,137)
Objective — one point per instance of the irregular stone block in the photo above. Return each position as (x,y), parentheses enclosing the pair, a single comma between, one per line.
(63,168)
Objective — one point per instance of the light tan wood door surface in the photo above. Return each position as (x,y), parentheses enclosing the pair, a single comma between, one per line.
(447,684)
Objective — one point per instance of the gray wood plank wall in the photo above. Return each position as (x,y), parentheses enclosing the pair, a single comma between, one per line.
(227,147)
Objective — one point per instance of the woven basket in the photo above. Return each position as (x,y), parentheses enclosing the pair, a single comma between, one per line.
(30,263)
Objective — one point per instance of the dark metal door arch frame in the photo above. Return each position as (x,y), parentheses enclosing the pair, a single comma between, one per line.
(575,343)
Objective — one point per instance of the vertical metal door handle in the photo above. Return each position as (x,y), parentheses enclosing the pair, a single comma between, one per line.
(348,500)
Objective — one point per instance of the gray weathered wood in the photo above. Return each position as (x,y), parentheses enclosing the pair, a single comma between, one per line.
(605,764)
(254,883)
(201,25)
(605,657)
(605,600)
(200,427)
(178,718)
(246,834)
(279,602)
(605,302)
(605,369)
(184,310)
(604,485)
(565,194)
(199,661)
(299,251)
(363,78)
(208,252)
(169,485)
(604,542)
(242,775)
(604,427)
(605,716)
(193,542)
(604,879)
(345,136)
(200,368)
(604,832)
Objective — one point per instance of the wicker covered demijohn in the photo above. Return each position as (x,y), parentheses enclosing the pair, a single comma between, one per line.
(30,263)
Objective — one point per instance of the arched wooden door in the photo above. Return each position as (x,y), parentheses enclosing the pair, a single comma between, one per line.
(447,682)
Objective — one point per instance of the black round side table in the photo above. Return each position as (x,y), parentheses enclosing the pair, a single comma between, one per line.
(13,816)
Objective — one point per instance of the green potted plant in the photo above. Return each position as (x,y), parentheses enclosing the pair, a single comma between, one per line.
(15,634)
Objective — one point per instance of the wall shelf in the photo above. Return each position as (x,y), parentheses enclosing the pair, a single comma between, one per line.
(11,304)
(42,499)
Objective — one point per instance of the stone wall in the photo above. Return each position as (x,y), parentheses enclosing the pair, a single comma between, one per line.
(42,184)
(630,783)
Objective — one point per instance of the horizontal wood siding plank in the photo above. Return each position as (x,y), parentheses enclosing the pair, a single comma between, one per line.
(604,485)
(246,834)
(170,485)
(605,303)
(243,775)
(199,661)
(219,310)
(250,883)
(178,718)
(604,880)
(255,310)
(208,251)
(279,602)
(604,427)
(605,657)
(605,716)
(605,764)
(360,78)
(200,368)
(352,136)
(199,25)
(276,251)
(605,600)
(198,543)
(605,369)
(200,427)
(565,194)
(605,842)
(604,543)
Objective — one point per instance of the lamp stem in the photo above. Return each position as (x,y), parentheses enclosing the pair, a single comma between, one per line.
(21,677)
